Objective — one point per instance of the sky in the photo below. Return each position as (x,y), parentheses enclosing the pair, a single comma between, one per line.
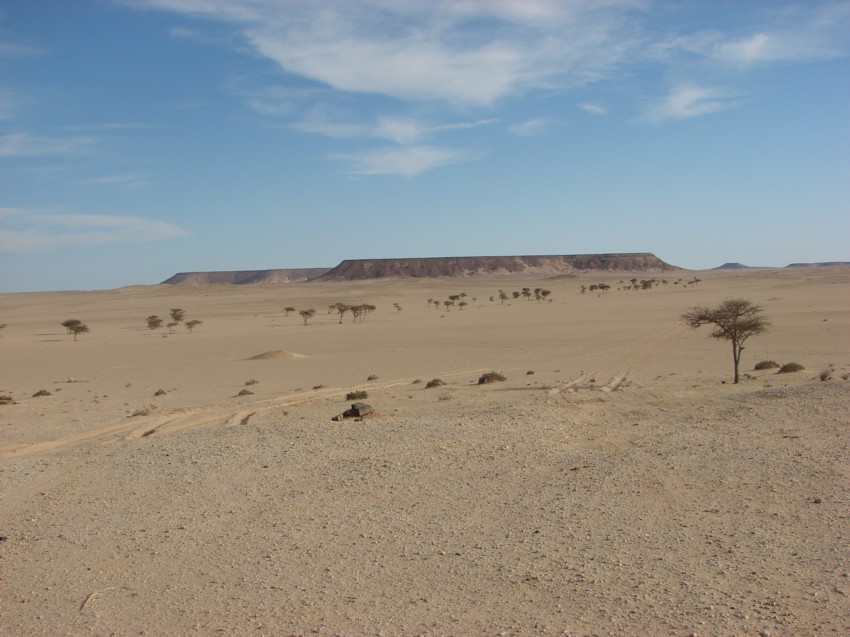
(141,138)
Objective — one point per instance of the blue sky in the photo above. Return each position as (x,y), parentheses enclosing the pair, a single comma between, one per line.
(140,138)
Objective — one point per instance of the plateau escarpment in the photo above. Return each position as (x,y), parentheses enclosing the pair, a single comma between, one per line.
(241,277)
(434,267)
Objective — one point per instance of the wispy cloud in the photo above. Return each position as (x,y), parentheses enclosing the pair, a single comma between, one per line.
(406,161)
(25,231)
(431,51)
(530,128)
(688,100)
(129,180)
(26,145)
(593,108)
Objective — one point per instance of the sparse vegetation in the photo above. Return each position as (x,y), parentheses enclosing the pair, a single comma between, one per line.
(190,325)
(177,314)
(766,364)
(397,307)
(154,322)
(70,323)
(252,381)
(357,395)
(78,328)
(734,320)
(372,377)
(287,310)
(491,377)
(245,392)
(159,392)
(434,382)
(788,368)
(825,374)
(308,314)
(41,392)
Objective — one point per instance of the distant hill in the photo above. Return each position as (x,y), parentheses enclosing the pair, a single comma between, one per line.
(355,269)
(241,277)
(825,264)
(733,266)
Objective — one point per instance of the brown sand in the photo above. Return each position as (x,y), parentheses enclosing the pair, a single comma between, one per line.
(622,488)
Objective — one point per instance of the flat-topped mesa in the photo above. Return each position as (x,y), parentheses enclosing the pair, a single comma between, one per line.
(241,277)
(432,267)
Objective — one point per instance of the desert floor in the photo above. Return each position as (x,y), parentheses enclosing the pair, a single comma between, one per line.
(613,484)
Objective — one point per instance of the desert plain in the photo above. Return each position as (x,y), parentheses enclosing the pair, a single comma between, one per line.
(615,483)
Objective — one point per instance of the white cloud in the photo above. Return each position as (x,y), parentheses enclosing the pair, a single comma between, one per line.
(531,128)
(406,161)
(432,50)
(594,108)
(26,145)
(27,231)
(688,100)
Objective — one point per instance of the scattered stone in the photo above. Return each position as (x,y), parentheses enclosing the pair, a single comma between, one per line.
(358,410)
(816,500)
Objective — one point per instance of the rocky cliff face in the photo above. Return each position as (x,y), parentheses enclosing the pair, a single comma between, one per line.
(247,276)
(471,266)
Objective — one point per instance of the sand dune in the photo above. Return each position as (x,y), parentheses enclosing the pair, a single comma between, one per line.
(616,482)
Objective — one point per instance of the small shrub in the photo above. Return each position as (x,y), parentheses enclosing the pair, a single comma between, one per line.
(766,365)
(825,374)
(434,382)
(159,392)
(40,393)
(530,372)
(417,381)
(7,400)
(252,381)
(245,392)
(490,377)
(790,367)
(144,411)
(357,395)
(318,386)
(372,377)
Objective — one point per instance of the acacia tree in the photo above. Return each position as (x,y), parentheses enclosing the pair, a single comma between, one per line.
(734,320)
(78,328)
(154,322)
(288,310)
(70,323)
(177,314)
(307,314)
(190,325)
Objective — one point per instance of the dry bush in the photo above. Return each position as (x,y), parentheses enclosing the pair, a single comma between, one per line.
(372,377)
(765,365)
(790,367)
(160,392)
(144,411)
(491,377)
(825,374)
(318,386)
(252,381)
(40,393)
(434,382)
(357,395)
(245,392)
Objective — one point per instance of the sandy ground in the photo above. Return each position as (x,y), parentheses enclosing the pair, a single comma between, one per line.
(613,484)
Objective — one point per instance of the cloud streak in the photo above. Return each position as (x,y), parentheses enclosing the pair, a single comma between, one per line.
(688,101)
(408,161)
(24,231)
(26,145)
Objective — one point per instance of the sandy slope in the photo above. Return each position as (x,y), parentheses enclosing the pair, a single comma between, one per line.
(621,488)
